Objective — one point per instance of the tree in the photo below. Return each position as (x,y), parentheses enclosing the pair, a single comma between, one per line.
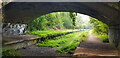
(98,26)
(60,20)
(73,16)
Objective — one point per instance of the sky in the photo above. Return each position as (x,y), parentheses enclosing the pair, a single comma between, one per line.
(85,18)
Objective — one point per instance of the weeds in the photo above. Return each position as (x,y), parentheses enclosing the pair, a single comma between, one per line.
(48,33)
(11,52)
(103,37)
(67,43)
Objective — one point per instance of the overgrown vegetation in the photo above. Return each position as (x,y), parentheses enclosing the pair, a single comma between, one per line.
(50,25)
(57,20)
(11,52)
(104,37)
(70,48)
(48,33)
(100,29)
(66,43)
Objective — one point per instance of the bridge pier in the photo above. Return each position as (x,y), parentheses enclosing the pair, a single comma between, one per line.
(114,36)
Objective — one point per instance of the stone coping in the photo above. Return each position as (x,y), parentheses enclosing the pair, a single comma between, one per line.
(20,40)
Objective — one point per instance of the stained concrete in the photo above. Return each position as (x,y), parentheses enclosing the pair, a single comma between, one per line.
(114,35)
(25,12)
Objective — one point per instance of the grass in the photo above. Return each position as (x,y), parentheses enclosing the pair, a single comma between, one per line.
(48,32)
(103,37)
(58,41)
(67,43)
(70,48)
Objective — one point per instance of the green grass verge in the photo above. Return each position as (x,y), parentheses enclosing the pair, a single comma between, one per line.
(103,37)
(70,48)
(58,41)
(48,32)
(67,43)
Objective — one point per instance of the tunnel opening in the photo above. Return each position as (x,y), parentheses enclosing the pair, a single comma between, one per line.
(17,21)
(63,31)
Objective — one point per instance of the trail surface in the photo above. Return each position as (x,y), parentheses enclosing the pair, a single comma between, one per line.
(94,47)
(39,51)
(43,51)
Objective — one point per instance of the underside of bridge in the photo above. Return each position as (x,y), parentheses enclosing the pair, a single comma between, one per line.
(25,12)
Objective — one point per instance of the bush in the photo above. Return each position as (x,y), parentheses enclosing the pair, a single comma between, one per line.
(104,37)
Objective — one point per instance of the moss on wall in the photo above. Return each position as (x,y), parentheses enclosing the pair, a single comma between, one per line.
(118,46)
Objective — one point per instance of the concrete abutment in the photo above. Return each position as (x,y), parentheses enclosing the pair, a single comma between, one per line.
(114,35)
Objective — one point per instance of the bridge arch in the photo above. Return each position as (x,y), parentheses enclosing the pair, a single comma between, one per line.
(24,12)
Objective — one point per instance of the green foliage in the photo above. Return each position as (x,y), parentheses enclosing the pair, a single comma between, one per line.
(67,21)
(73,16)
(67,43)
(48,33)
(38,24)
(100,29)
(70,48)
(98,26)
(59,20)
(58,41)
(104,37)
(11,52)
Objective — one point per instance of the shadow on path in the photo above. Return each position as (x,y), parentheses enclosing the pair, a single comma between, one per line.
(39,51)
(94,47)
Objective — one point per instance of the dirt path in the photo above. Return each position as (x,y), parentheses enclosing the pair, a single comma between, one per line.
(39,51)
(94,47)
(42,51)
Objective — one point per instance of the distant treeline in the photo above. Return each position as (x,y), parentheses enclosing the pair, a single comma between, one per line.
(57,20)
